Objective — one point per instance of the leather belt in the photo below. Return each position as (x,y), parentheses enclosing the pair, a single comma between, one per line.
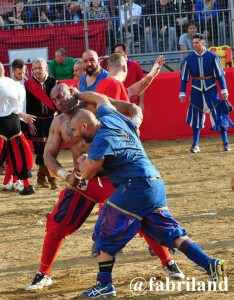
(203,78)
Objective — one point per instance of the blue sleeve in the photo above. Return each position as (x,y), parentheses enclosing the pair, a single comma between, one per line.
(184,76)
(219,73)
(99,149)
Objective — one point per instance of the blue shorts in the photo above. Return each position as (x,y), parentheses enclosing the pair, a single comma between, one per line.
(138,197)
(114,229)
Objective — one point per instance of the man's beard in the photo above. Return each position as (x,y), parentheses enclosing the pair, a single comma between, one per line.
(87,139)
(91,72)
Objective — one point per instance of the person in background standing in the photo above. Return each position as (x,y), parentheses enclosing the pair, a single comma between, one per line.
(14,147)
(205,69)
(18,73)
(39,104)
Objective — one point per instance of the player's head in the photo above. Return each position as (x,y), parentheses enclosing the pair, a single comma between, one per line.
(91,62)
(117,62)
(199,42)
(18,69)
(64,98)
(84,124)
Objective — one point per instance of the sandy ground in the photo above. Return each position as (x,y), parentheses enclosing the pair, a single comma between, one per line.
(198,195)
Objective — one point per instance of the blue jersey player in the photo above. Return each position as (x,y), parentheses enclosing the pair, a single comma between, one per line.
(139,201)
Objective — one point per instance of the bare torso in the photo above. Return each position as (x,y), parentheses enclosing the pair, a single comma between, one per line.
(63,130)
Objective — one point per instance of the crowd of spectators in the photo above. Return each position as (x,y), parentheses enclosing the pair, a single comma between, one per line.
(155,25)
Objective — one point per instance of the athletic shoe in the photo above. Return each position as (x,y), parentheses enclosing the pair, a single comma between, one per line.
(7,187)
(40,280)
(101,290)
(194,149)
(171,269)
(216,270)
(27,191)
(18,186)
(226,147)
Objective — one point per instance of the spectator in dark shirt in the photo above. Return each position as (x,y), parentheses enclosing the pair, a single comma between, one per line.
(18,18)
(74,13)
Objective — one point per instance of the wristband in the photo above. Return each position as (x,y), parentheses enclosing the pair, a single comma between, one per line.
(62,173)
(156,68)
(137,120)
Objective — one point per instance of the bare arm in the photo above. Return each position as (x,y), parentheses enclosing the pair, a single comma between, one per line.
(140,86)
(89,168)
(52,149)
(27,118)
(94,98)
(129,109)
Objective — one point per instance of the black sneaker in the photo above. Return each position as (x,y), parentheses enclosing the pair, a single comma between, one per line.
(171,269)
(27,191)
(39,281)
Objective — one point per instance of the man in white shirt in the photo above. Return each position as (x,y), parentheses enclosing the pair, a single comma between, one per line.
(130,15)
(13,145)
(18,74)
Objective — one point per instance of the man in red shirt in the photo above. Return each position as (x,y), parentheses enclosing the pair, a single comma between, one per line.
(113,86)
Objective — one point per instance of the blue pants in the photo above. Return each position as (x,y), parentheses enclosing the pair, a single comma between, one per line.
(130,210)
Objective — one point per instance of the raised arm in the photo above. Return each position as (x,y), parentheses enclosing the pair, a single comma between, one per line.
(140,86)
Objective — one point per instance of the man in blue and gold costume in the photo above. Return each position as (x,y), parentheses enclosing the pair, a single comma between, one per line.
(205,68)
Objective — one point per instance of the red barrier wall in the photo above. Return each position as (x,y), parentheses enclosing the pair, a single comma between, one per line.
(70,37)
(165,116)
